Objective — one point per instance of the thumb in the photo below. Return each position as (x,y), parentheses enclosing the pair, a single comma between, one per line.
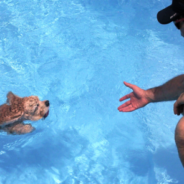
(129,85)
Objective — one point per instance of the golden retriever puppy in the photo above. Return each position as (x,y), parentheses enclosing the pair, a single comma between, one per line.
(17,109)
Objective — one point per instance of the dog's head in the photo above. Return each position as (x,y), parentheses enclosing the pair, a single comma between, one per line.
(34,109)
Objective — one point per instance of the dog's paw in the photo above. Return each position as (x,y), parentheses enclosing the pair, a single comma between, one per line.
(19,128)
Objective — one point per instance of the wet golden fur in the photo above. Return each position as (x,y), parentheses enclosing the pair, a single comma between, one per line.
(17,109)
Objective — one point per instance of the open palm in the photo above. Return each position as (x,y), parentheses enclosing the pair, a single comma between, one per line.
(137,99)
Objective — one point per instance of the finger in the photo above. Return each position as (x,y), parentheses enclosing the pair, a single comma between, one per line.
(175,110)
(124,105)
(175,107)
(127,109)
(178,110)
(129,85)
(124,97)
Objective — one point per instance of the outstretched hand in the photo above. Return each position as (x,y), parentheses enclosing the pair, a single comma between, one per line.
(137,99)
(179,105)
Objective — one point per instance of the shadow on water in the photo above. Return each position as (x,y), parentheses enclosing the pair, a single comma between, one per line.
(47,152)
(168,158)
(144,164)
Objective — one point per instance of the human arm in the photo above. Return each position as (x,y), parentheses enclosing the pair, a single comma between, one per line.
(139,97)
(171,90)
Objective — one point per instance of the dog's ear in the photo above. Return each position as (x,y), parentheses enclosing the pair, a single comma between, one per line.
(16,108)
(11,97)
(13,111)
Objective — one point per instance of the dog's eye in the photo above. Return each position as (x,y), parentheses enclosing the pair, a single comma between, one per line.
(37,105)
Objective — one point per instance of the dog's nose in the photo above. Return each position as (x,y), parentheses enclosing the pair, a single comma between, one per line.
(47,103)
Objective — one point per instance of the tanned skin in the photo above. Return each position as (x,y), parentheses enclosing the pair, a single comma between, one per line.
(171,90)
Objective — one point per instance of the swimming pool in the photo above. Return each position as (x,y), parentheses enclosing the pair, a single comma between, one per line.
(77,53)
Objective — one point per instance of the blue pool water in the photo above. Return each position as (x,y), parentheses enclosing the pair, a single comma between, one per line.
(76,54)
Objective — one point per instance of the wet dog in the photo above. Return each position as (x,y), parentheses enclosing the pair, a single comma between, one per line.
(16,110)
